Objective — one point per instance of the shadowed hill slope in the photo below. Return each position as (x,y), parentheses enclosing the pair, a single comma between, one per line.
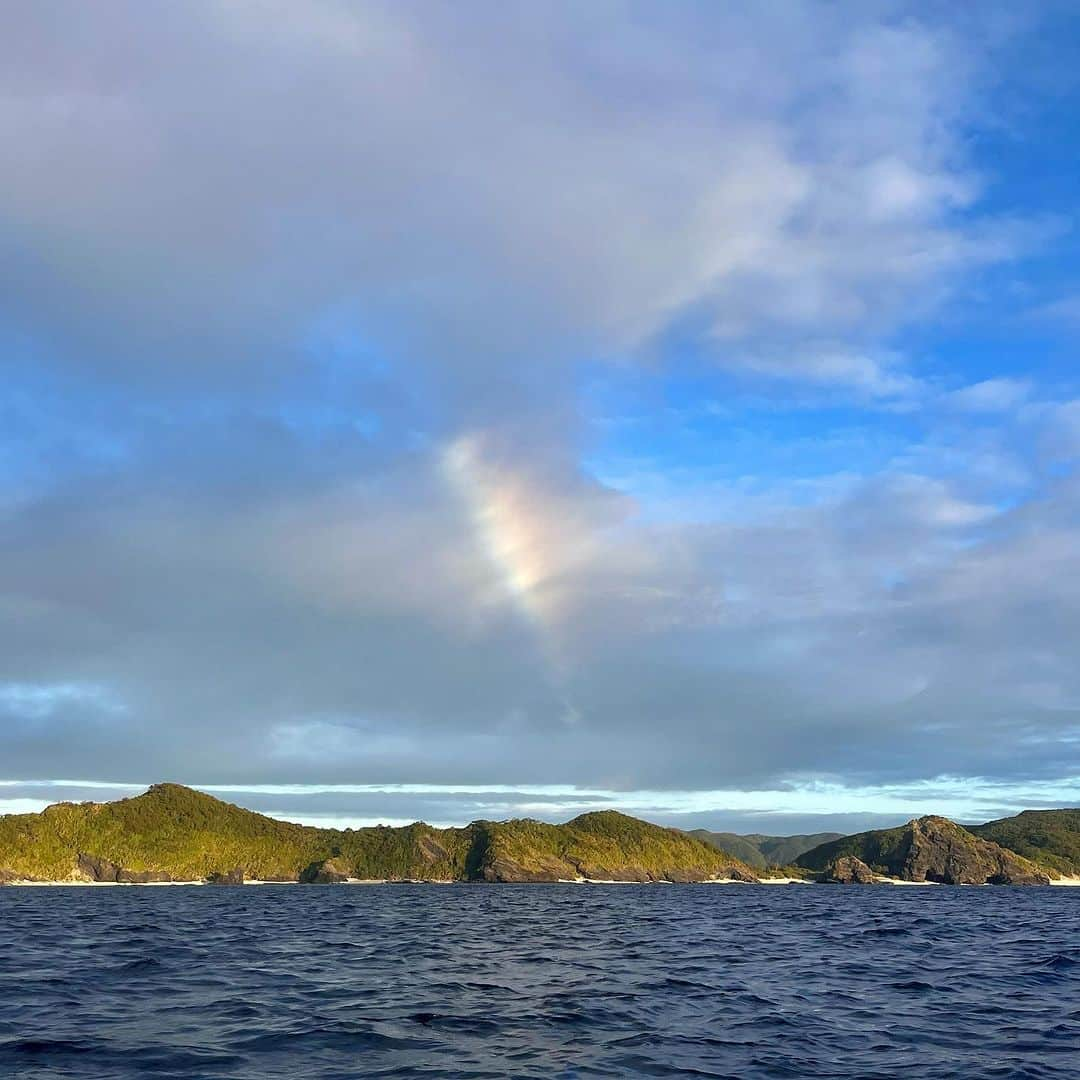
(1048,837)
(784,850)
(175,833)
(761,851)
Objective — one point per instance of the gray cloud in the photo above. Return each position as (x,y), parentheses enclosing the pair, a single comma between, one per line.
(484,193)
(297,302)
(900,632)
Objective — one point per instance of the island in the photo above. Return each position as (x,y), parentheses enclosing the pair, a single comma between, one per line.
(176,834)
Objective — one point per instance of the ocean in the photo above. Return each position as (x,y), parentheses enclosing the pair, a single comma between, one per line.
(539,981)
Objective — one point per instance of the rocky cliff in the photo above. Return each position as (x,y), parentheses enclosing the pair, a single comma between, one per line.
(929,849)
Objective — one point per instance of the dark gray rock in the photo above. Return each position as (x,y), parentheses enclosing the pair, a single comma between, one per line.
(510,872)
(96,867)
(848,870)
(227,877)
(141,877)
(741,875)
(325,872)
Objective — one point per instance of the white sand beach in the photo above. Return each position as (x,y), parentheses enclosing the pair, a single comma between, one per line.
(94,884)
(880,880)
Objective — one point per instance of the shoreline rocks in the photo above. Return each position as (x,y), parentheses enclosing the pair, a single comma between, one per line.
(331,871)
(97,868)
(848,870)
(226,877)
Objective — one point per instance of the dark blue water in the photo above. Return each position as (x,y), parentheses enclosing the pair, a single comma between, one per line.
(539,981)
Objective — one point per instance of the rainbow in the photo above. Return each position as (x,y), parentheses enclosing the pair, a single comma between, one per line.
(498,510)
(514,539)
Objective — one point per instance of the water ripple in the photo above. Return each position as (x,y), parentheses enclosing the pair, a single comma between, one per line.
(564,982)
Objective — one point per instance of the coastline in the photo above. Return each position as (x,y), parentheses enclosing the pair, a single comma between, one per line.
(160,884)
(1062,881)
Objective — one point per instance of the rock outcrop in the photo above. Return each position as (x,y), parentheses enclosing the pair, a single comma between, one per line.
(508,871)
(512,873)
(927,849)
(98,868)
(848,870)
(226,877)
(141,877)
(941,850)
(735,873)
(325,872)
(431,849)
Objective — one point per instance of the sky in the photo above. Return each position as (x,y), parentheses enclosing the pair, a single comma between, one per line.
(439,410)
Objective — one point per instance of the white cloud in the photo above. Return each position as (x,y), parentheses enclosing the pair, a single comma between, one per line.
(832,366)
(990,395)
(484,189)
(476,199)
(1064,310)
(967,799)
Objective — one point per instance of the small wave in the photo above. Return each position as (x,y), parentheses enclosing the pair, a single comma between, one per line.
(540,983)
(51,1047)
(1062,962)
(330,1037)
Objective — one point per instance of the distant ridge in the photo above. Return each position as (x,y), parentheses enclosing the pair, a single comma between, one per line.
(174,833)
(762,851)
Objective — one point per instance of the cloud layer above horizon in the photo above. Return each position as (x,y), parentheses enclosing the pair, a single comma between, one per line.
(617,400)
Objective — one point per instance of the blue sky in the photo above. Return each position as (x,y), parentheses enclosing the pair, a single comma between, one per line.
(426,411)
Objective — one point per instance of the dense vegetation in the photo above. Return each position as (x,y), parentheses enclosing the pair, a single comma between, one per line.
(190,835)
(605,845)
(176,833)
(183,834)
(1048,837)
(761,851)
(737,846)
(784,850)
(883,850)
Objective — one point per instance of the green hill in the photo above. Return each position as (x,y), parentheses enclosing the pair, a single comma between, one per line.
(175,833)
(928,849)
(737,846)
(1048,837)
(784,850)
(761,851)
(603,846)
